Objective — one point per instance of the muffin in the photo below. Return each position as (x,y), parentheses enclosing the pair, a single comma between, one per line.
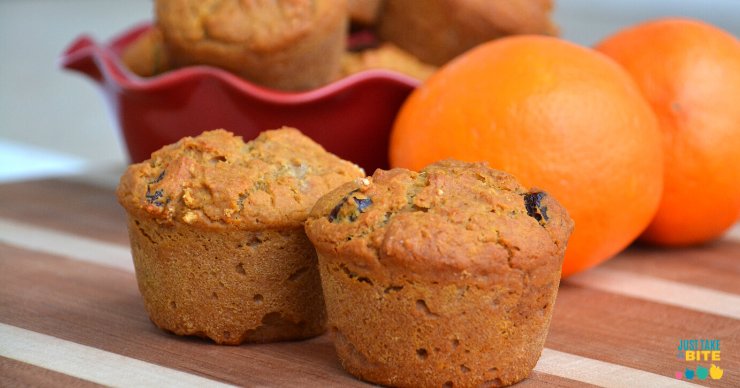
(364,12)
(446,277)
(146,56)
(438,30)
(216,231)
(386,56)
(288,44)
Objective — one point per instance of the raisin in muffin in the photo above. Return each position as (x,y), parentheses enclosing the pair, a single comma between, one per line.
(287,45)
(446,277)
(438,30)
(216,230)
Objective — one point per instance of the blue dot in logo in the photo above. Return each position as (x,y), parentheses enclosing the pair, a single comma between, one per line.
(689,374)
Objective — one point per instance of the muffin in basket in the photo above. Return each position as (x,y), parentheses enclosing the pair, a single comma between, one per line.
(446,277)
(438,30)
(386,56)
(364,12)
(287,45)
(217,238)
(146,56)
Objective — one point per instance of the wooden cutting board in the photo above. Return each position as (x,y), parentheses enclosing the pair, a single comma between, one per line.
(71,314)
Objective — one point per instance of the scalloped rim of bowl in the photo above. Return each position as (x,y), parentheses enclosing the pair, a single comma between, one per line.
(112,67)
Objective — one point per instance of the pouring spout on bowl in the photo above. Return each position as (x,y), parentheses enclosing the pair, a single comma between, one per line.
(80,57)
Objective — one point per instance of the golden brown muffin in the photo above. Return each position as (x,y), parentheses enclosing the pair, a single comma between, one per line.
(445,277)
(146,56)
(389,57)
(216,230)
(438,30)
(364,12)
(285,44)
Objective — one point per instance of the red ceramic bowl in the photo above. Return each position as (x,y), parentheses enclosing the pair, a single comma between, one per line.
(351,118)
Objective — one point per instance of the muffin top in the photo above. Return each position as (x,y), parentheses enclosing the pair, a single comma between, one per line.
(386,56)
(436,31)
(260,26)
(451,221)
(216,180)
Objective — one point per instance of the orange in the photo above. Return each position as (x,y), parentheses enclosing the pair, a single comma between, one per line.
(559,117)
(690,73)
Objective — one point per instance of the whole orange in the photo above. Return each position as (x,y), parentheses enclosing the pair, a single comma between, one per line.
(558,116)
(690,73)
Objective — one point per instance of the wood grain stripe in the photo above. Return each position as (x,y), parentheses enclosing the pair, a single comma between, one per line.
(714,266)
(601,373)
(106,177)
(66,206)
(734,233)
(15,373)
(89,363)
(600,278)
(65,244)
(659,291)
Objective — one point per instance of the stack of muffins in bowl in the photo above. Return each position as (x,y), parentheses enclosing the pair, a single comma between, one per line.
(337,69)
(301,45)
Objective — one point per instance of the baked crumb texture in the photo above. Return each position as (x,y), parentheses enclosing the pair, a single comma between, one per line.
(364,12)
(386,56)
(287,45)
(446,277)
(436,31)
(216,230)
